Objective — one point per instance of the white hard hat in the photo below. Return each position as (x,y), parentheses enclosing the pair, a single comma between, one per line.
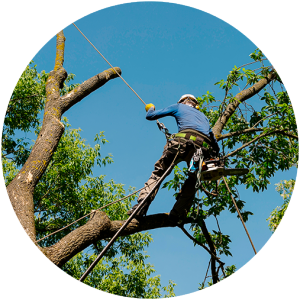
(184,97)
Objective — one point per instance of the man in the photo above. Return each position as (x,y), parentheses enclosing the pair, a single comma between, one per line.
(193,132)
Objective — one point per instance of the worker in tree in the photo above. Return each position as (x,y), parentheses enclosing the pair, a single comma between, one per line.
(193,132)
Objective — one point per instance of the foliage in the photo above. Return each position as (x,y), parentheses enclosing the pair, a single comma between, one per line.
(126,275)
(229,270)
(68,190)
(261,137)
(285,189)
(22,114)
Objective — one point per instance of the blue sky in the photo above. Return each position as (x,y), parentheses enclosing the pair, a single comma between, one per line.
(164,51)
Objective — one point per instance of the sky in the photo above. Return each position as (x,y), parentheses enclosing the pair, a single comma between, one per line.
(164,50)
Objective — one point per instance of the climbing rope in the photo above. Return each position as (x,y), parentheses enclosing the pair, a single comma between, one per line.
(110,65)
(161,126)
(241,218)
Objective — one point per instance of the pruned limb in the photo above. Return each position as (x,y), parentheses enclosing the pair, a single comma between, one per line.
(87,87)
(60,49)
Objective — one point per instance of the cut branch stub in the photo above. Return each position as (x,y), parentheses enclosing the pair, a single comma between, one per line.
(60,49)
(87,87)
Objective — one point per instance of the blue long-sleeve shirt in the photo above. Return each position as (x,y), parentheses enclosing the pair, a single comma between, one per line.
(186,118)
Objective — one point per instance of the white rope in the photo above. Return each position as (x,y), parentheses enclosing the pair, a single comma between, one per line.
(110,65)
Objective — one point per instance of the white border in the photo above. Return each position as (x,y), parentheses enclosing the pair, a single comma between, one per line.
(27,25)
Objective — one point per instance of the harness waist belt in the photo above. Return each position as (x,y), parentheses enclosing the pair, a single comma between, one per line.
(196,138)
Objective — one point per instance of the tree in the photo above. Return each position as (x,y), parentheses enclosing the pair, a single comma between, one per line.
(68,190)
(261,137)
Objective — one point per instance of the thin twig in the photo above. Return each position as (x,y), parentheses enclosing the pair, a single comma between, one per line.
(250,63)
(261,136)
(203,283)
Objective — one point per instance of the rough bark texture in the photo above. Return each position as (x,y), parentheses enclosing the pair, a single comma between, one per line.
(20,190)
(99,227)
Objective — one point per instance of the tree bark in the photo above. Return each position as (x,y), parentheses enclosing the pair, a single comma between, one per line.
(100,227)
(20,190)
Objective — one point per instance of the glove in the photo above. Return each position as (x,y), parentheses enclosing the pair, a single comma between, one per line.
(148,106)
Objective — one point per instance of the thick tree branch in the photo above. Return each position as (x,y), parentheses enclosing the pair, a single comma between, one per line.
(100,227)
(239,98)
(20,190)
(87,87)
(60,50)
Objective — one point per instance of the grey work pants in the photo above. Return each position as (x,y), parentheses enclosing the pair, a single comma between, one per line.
(187,193)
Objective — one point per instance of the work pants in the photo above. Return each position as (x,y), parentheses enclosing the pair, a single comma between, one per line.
(187,193)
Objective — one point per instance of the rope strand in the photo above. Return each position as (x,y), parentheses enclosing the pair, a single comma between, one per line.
(110,65)
(93,211)
(240,216)
(158,123)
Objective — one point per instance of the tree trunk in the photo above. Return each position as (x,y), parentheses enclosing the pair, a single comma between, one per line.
(20,190)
